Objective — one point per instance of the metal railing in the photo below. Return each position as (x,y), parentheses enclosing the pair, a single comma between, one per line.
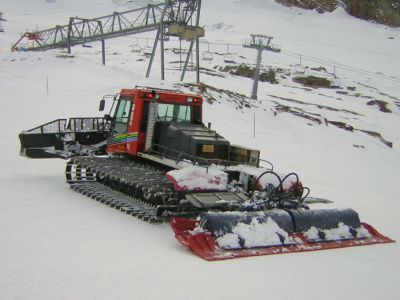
(180,156)
(56,126)
(88,124)
(73,125)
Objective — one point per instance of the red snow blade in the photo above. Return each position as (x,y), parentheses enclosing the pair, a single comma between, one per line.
(205,245)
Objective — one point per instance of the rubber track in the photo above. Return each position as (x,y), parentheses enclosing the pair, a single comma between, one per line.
(124,203)
(130,186)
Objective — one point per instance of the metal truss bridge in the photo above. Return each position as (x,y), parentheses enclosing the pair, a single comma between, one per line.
(178,18)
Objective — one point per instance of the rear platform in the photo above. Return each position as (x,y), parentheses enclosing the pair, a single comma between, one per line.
(64,138)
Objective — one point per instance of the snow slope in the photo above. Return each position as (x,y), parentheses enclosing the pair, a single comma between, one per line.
(57,244)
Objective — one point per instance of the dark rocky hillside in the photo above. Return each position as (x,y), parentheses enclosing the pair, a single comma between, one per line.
(380,11)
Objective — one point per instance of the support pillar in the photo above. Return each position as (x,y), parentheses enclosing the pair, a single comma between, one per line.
(69,35)
(187,60)
(153,53)
(257,73)
(103,44)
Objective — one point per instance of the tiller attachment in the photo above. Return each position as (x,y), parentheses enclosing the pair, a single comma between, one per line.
(225,235)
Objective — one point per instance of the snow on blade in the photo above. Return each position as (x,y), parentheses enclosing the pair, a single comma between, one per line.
(335,234)
(255,234)
(197,178)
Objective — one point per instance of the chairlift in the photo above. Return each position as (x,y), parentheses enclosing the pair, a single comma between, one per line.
(299,69)
(335,81)
(136,48)
(208,56)
(177,51)
(274,48)
(147,51)
(229,58)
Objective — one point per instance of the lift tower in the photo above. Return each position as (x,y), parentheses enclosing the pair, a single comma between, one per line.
(261,43)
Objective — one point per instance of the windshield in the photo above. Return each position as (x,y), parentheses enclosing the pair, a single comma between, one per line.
(174,112)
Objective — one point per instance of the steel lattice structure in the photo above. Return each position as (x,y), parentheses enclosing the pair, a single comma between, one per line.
(177,18)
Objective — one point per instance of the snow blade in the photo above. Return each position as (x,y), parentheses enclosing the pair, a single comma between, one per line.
(226,235)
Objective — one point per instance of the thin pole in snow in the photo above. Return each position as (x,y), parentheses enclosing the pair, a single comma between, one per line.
(254,125)
(180,55)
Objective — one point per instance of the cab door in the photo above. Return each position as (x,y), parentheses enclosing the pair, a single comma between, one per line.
(120,136)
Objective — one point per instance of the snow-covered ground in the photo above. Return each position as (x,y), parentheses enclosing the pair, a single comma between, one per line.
(57,244)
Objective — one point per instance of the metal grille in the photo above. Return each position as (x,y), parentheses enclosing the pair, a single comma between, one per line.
(152,118)
(56,126)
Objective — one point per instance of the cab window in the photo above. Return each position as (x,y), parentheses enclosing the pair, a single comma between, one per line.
(122,114)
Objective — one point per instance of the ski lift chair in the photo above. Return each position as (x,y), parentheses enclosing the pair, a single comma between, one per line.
(207,56)
(147,51)
(299,69)
(229,58)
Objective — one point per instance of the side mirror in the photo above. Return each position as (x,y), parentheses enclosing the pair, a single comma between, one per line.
(102,104)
